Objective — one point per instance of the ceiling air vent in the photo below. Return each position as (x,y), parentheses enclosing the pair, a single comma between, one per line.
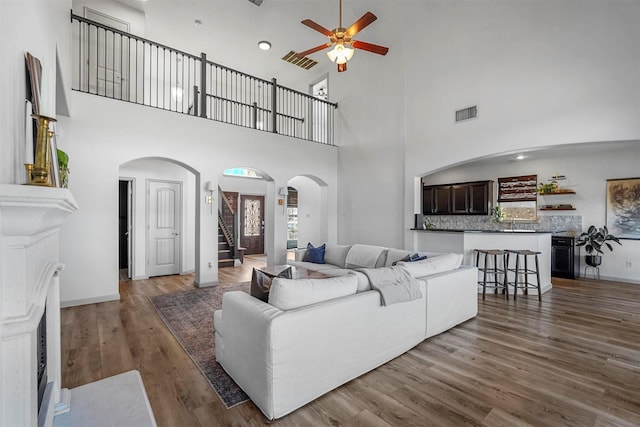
(303,62)
(467,113)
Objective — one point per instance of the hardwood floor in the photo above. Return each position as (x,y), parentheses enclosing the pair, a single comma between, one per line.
(573,360)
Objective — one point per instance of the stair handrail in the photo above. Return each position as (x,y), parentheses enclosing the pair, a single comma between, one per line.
(226,200)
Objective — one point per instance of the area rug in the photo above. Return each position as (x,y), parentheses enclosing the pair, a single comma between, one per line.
(189,317)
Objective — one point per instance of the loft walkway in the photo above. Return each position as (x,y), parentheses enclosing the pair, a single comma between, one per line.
(115,64)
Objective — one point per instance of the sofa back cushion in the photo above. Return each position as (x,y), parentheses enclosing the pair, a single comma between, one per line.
(366,256)
(394,255)
(287,294)
(433,265)
(336,254)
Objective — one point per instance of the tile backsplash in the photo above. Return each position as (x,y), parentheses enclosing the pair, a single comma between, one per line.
(553,223)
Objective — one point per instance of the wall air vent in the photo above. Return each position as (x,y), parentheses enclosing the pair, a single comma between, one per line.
(303,62)
(467,113)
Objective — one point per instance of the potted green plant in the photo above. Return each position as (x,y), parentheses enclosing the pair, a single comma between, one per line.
(594,240)
(499,213)
(63,165)
(547,188)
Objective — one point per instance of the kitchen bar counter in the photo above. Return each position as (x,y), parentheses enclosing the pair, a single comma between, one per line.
(506,230)
(465,241)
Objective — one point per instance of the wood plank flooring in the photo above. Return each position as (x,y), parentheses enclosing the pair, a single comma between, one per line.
(572,360)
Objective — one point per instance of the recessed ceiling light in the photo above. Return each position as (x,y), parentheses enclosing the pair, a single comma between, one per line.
(520,157)
(264,45)
(197,22)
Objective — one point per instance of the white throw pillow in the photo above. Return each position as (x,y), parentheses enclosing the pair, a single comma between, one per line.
(287,294)
(435,265)
(366,256)
(336,254)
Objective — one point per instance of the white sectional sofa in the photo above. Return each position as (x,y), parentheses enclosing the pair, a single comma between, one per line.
(285,358)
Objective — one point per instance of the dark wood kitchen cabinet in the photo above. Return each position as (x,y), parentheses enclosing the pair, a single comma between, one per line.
(467,198)
(565,257)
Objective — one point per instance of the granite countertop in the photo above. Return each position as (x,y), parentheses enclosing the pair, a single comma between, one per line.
(507,230)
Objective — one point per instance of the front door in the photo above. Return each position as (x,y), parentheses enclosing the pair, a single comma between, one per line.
(252,230)
(165,202)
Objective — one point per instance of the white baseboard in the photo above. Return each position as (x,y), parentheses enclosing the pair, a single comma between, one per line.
(94,300)
(205,285)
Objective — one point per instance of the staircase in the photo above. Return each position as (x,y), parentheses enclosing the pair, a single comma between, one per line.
(225,252)
(228,241)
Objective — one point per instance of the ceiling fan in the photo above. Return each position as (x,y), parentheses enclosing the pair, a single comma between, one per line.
(342,40)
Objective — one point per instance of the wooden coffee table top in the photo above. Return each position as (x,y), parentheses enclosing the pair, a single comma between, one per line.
(297,272)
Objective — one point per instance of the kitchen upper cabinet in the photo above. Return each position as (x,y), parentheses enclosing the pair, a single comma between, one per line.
(428,200)
(480,197)
(469,198)
(442,200)
(459,199)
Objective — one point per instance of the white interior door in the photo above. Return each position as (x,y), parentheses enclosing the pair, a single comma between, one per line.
(107,56)
(164,219)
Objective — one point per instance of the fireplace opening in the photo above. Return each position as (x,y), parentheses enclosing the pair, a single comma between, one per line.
(41,348)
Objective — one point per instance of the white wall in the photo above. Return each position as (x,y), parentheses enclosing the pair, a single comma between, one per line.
(310,220)
(587,172)
(25,26)
(541,72)
(99,143)
(155,169)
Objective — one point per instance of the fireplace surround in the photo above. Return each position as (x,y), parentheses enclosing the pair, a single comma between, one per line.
(30,221)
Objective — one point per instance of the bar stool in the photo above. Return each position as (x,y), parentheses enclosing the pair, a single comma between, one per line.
(518,270)
(486,269)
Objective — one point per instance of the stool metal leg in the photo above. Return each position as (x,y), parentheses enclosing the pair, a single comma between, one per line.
(484,276)
(505,257)
(538,279)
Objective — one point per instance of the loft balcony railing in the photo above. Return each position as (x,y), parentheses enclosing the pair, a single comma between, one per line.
(116,64)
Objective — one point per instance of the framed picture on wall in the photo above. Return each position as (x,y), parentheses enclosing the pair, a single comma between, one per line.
(623,207)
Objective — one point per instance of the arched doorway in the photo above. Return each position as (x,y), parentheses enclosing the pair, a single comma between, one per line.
(160,196)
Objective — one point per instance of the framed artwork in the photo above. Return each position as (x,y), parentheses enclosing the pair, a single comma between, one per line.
(623,207)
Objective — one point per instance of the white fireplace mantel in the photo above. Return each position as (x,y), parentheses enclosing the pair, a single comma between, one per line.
(30,220)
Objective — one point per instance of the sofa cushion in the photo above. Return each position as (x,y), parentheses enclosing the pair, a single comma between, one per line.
(366,256)
(394,255)
(336,254)
(363,281)
(434,265)
(314,255)
(287,294)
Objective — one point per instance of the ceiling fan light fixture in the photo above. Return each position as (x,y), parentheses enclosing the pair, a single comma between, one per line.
(340,54)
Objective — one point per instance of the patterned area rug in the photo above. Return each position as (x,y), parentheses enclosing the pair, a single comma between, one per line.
(189,317)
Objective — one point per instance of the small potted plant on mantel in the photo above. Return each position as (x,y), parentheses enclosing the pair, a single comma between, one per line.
(594,240)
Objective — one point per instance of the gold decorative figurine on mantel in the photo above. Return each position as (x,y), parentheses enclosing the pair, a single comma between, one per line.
(39,173)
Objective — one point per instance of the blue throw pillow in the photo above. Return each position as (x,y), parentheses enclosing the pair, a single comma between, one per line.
(314,255)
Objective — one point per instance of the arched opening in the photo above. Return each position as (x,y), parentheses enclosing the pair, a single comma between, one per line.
(244,219)
(309,216)
(157,218)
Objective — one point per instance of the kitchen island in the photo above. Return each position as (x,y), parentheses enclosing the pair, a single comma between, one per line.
(465,241)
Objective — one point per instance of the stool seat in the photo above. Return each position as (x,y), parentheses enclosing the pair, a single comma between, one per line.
(496,270)
(520,270)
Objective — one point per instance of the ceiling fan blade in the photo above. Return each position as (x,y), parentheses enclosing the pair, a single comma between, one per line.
(313,50)
(361,23)
(370,47)
(311,24)
(342,67)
